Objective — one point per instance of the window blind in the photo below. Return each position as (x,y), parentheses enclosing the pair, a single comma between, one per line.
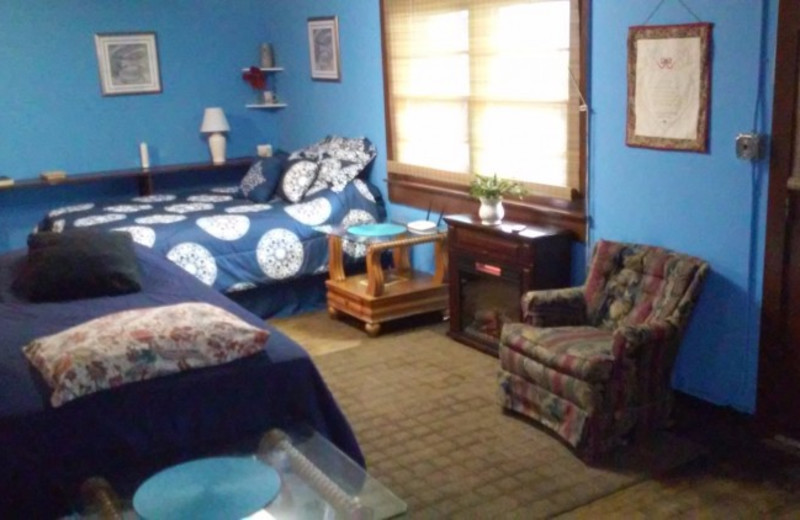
(482,86)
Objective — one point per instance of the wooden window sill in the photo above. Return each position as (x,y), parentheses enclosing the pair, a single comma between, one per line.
(455,198)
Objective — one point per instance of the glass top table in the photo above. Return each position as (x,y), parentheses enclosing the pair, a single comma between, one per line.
(384,294)
(317,481)
(381,232)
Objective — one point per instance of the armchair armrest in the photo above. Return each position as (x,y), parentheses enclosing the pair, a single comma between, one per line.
(635,340)
(554,308)
(644,356)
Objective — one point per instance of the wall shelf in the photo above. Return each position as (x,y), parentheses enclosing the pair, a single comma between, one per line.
(265,69)
(267,105)
(144,176)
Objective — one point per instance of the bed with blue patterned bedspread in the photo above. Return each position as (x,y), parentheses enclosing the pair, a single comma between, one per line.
(228,242)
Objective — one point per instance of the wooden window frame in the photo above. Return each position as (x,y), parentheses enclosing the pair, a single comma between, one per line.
(451,197)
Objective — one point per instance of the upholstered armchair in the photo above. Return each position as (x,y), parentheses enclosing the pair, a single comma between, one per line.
(593,363)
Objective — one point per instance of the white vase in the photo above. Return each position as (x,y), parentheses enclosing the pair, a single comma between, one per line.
(491,211)
(267,60)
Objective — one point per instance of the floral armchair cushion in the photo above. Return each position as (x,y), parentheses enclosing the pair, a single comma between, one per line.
(140,344)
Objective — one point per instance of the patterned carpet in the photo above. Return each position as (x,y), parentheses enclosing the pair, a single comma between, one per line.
(425,412)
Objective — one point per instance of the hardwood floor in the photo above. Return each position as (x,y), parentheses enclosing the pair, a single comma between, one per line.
(743,476)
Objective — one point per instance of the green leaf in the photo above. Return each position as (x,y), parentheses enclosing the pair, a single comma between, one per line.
(483,186)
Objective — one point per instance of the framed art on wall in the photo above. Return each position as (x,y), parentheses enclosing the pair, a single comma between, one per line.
(323,46)
(669,71)
(128,63)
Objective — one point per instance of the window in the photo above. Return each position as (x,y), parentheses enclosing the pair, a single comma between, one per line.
(485,86)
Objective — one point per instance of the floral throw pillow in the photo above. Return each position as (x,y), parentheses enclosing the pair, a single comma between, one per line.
(298,177)
(140,344)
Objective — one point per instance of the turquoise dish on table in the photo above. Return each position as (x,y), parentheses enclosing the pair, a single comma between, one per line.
(210,488)
(376,230)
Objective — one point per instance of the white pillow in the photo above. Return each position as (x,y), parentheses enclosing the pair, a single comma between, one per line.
(140,344)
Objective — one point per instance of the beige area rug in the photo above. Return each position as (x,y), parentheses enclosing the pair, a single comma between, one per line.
(319,334)
(425,412)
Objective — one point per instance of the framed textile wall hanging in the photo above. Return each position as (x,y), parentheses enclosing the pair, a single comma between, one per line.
(669,76)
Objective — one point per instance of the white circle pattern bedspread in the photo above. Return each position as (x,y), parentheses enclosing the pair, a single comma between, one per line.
(226,240)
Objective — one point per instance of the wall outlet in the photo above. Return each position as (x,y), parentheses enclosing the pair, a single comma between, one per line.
(748,146)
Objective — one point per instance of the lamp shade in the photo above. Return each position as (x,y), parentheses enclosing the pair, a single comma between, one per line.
(214,121)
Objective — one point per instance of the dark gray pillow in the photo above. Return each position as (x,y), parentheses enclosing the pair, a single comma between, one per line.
(78,264)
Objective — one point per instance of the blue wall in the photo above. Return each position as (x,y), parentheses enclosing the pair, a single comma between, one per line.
(711,205)
(54,116)
(352,107)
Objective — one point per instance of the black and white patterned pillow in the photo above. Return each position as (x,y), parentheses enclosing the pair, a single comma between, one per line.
(336,173)
(356,150)
(312,151)
(341,159)
(298,177)
(318,186)
(261,180)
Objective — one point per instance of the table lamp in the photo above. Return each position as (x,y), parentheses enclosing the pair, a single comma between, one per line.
(214,123)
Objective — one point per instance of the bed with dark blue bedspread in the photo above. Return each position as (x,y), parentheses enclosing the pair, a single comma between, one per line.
(228,242)
(47,452)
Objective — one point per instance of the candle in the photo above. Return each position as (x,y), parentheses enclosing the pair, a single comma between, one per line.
(144,155)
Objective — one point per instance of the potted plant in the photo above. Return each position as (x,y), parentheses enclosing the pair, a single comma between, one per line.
(490,191)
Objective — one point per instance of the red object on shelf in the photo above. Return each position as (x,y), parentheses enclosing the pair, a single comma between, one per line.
(255,78)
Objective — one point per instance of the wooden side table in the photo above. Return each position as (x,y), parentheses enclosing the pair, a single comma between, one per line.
(383,295)
(491,267)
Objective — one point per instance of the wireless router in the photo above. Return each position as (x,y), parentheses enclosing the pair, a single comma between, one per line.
(421,226)
(426,226)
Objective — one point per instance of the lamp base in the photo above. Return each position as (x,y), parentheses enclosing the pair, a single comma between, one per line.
(216,143)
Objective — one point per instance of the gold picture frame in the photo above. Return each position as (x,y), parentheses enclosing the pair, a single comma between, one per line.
(669,76)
